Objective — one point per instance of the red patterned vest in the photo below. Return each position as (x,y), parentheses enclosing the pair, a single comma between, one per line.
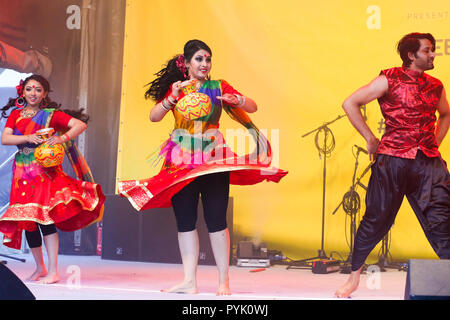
(409,109)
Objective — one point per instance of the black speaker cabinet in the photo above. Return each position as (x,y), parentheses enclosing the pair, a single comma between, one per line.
(11,287)
(428,280)
(80,242)
(151,235)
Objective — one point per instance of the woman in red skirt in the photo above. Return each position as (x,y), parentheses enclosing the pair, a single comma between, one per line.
(45,197)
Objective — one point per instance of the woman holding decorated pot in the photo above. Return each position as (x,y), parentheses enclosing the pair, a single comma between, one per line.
(43,197)
(196,159)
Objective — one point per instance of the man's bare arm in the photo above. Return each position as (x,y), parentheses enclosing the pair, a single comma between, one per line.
(443,122)
(374,90)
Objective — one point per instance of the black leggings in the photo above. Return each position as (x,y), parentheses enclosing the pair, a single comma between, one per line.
(214,189)
(34,238)
(426,184)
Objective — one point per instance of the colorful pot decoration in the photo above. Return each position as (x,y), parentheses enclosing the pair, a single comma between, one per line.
(194,105)
(48,155)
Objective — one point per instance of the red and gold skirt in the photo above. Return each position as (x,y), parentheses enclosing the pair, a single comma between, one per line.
(52,197)
(157,191)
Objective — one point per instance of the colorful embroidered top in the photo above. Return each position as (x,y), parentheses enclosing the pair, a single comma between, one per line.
(209,117)
(409,108)
(196,138)
(57,120)
(23,126)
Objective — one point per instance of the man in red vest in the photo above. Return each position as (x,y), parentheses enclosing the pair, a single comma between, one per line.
(407,159)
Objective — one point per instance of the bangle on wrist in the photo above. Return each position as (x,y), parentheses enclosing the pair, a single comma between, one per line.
(65,137)
(165,106)
(171,102)
(241,100)
(175,99)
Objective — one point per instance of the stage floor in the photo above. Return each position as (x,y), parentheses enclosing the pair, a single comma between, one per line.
(92,278)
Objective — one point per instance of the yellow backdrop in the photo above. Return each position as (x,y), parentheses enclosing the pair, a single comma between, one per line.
(298,60)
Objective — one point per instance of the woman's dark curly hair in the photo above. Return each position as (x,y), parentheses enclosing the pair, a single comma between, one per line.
(46,102)
(171,73)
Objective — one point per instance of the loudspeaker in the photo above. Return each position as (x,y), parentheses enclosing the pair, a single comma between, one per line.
(11,287)
(151,235)
(122,230)
(79,242)
(428,280)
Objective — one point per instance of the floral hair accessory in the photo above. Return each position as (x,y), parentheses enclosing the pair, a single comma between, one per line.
(180,63)
(19,88)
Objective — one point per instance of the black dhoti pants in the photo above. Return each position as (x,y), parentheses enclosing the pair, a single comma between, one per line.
(426,184)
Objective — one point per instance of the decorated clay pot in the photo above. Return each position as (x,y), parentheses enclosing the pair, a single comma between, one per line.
(194,105)
(48,155)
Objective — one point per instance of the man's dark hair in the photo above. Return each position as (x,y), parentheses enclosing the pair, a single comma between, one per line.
(411,43)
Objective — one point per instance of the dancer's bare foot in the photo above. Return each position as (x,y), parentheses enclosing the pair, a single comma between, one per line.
(224,289)
(187,287)
(49,279)
(350,286)
(38,273)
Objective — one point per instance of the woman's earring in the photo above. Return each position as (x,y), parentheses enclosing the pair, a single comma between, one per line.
(20,102)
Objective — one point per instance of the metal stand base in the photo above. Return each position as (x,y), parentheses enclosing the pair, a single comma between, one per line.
(383,260)
(383,263)
(305,263)
(9,257)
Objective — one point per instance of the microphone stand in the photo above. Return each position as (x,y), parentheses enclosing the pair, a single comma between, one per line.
(326,151)
(351,204)
(352,208)
(383,259)
(357,183)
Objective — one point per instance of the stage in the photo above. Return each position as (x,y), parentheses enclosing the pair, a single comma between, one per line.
(92,278)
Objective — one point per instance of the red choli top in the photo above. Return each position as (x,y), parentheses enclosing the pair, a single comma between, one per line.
(59,121)
(409,108)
